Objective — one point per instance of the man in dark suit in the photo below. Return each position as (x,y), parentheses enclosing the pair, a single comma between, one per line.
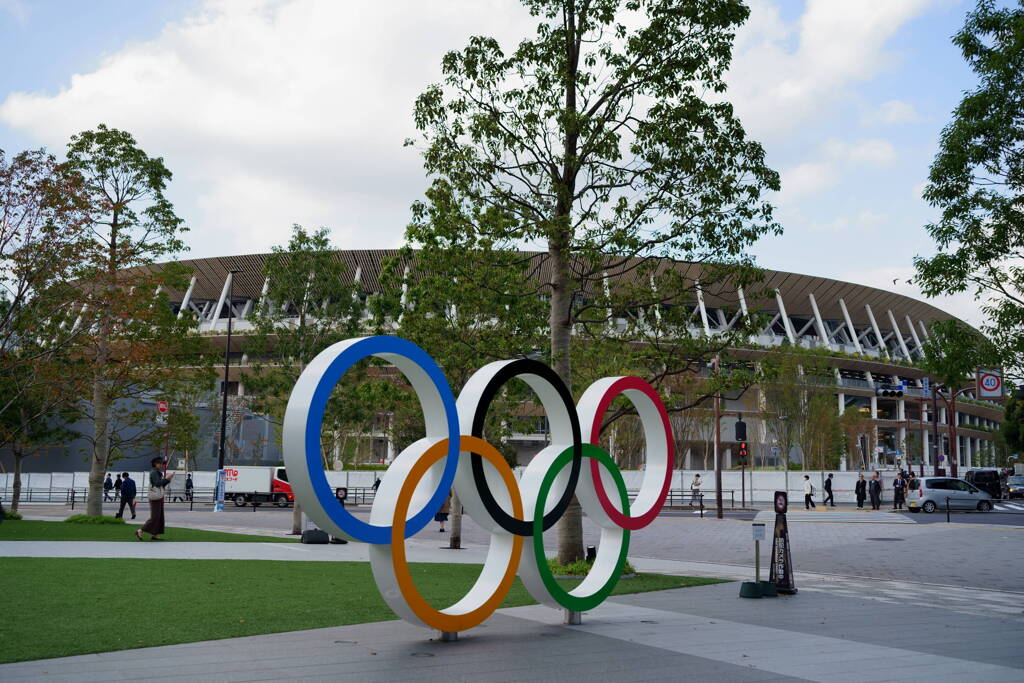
(829,500)
(875,491)
(128,492)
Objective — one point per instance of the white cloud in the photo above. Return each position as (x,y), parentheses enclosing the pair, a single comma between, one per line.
(785,74)
(834,157)
(894,112)
(271,113)
(860,223)
(808,178)
(873,152)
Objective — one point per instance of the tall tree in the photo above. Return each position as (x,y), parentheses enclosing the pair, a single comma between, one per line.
(856,424)
(793,381)
(42,401)
(134,344)
(977,181)
(43,209)
(311,303)
(602,139)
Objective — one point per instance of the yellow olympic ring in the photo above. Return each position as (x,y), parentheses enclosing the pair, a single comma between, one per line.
(473,609)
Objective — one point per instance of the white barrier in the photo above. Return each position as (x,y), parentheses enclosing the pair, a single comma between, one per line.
(757,486)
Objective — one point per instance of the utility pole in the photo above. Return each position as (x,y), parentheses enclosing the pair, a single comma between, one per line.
(935,427)
(218,504)
(718,439)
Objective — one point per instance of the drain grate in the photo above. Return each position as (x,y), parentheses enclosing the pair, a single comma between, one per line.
(885,539)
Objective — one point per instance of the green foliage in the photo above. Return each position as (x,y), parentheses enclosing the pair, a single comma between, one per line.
(130,343)
(954,351)
(977,181)
(312,302)
(1012,429)
(799,402)
(58,610)
(86,519)
(9,515)
(581,568)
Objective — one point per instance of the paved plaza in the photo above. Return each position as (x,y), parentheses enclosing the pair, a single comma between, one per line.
(880,598)
(705,633)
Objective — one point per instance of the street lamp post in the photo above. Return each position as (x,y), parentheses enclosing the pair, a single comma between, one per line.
(219,502)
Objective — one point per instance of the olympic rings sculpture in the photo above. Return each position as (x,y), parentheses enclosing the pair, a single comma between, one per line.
(453,455)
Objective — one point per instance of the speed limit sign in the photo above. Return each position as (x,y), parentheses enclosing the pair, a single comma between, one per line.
(990,384)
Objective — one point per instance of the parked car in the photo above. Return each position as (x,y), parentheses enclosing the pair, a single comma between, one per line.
(1015,486)
(988,479)
(933,492)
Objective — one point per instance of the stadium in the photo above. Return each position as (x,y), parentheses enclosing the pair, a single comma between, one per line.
(872,338)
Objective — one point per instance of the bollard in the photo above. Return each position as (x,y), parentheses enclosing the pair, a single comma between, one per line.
(755,588)
(947,509)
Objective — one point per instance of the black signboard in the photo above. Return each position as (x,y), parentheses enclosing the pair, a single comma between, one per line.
(781,573)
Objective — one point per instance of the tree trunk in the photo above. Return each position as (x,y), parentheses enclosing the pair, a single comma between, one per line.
(101,448)
(16,490)
(570,527)
(455,540)
(296,519)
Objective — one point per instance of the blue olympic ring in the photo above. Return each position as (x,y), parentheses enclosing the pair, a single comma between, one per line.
(380,346)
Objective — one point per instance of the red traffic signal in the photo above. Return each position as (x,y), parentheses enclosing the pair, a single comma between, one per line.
(743,449)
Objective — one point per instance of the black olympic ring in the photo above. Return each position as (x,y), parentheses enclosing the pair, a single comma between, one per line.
(516,368)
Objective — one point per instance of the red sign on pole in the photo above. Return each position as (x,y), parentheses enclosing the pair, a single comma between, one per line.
(161,407)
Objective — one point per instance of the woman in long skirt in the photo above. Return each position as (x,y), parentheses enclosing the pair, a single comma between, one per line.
(154,526)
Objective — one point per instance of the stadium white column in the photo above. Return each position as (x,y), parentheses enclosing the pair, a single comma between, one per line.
(703,311)
(821,323)
(878,333)
(220,304)
(786,323)
(913,333)
(899,335)
(188,296)
(849,326)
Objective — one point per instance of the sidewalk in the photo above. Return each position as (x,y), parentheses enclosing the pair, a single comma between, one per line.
(705,634)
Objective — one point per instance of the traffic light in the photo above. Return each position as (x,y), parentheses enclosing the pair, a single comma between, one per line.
(889,391)
(743,449)
(741,430)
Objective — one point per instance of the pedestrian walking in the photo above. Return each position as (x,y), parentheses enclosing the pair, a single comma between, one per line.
(808,493)
(442,514)
(117,488)
(875,491)
(108,486)
(828,492)
(695,490)
(341,494)
(158,482)
(188,487)
(376,485)
(861,491)
(899,492)
(128,493)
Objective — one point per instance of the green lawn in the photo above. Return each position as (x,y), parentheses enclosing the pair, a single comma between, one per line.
(34,530)
(54,607)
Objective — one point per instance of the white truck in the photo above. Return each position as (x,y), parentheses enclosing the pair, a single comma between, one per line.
(248,485)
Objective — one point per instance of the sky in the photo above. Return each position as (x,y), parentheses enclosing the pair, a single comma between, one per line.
(271,113)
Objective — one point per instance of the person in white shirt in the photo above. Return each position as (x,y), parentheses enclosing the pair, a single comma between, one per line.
(808,493)
(695,490)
